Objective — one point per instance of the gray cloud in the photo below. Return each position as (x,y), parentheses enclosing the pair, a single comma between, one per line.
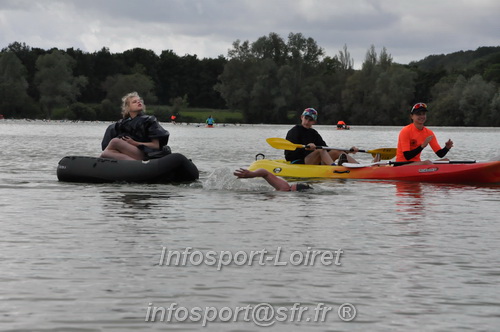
(409,30)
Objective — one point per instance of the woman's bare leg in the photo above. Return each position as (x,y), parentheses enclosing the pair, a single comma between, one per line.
(121,150)
(318,157)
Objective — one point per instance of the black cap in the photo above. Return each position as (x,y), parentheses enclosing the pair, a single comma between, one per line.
(418,107)
(303,186)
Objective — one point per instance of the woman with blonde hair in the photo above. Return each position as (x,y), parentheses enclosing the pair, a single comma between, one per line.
(136,135)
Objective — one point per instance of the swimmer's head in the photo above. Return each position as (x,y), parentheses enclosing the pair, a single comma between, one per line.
(300,187)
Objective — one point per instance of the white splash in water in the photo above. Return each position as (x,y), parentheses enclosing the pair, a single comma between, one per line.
(223,179)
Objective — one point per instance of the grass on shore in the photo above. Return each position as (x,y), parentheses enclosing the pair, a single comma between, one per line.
(201,114)
(162,112)
(195,115)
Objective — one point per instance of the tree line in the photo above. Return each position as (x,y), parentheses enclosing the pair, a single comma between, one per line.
(270,80)
(89,86)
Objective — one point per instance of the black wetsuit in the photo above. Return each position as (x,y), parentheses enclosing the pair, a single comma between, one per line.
(301,135)
(142,128)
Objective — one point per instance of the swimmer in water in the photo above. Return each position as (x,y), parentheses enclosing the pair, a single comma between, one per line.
(278,183)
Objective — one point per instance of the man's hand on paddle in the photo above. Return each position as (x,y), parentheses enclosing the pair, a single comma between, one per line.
(311,146)
(353,149)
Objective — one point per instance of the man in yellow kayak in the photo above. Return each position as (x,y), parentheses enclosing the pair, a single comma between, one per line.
(303,133)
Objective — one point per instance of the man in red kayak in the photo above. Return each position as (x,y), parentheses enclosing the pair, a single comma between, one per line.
(415,137)
(304,134)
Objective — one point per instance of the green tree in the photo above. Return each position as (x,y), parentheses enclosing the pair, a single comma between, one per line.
(267,101)
(394,90)
(147,59)
(14,100)
(187,75)
(267,78)
(492,73)
(169,76)
(179,104)
(384,59)
(359,96)
(240,51)
(86,66)
(83,112)
(236,84)
(304,57)
(28,57)
(55,81)
(238,78)
(495,110)
(475,101)
(370,59)
(76,111)
(380,92)
(270,47)
(445,107)
(345,60)
(106,64)
(119,85)
(334,74)
(461,102)
(208,74)
(109,110)
(424,83)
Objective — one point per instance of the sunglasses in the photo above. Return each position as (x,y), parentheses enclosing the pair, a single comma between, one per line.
(419,106)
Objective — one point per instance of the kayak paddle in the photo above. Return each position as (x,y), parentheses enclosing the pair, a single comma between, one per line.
(283,144)
(399,163)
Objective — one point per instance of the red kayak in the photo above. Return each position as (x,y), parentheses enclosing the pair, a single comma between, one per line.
(439,172)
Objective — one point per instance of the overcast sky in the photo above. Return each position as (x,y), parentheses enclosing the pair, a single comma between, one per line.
(409,29)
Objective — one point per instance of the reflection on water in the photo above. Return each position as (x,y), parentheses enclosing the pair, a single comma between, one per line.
(410,200)
(135,201)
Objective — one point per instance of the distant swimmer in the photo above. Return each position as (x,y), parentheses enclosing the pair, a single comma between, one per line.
(342,125)
(210,121)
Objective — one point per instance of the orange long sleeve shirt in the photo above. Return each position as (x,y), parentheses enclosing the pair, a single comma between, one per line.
(410,137)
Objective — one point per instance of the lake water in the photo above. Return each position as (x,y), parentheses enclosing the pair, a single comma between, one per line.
(351,255)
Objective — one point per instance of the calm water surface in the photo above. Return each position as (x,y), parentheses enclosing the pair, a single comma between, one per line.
(86,257)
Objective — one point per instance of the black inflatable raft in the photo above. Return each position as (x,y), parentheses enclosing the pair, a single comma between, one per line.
(174,167)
